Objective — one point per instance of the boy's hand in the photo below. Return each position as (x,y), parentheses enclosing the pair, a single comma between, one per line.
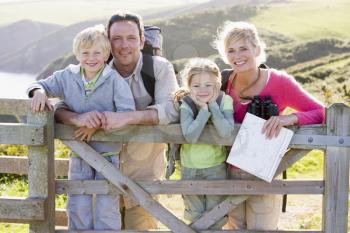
(84,133)
(93,119)
(39,101)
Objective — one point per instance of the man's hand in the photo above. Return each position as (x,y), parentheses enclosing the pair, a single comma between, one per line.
(84,133)
(39,101)
(115,120)
(93,119)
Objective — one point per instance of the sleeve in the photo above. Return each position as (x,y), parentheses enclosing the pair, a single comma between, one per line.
(223,119)
(52,85)
(165,85)
(308,109)
(123,98)
(192,128)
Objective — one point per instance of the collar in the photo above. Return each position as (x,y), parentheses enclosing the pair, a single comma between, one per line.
(75,69)
(136,74)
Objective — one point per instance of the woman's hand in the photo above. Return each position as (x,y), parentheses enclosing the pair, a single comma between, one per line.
(272,126)
(84,133)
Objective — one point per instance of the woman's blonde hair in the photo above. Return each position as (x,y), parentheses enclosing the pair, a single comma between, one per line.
(234,31)
(90,36)
(193,67)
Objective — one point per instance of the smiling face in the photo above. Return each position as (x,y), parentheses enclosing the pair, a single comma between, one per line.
(91,59)
(202,86)
(242,55)
(126,45)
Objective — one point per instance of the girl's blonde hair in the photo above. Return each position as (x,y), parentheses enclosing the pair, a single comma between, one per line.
(90,36)
(196,66)
(234,31)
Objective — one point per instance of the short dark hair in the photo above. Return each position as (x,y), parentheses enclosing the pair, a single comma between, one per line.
(126,16)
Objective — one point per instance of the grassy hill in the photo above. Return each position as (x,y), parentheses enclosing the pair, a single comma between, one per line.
(67,12)
(33,57)
(307,19)
(21,33)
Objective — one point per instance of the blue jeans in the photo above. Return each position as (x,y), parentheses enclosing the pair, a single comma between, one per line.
(80,208)
(196,205)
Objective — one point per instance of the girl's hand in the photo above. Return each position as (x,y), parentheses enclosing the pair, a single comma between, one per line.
(84,133)
(216,92)
(39,101)
(202,105)
(272,126)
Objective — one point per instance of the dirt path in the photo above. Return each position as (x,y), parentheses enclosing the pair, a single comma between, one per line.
(303,211)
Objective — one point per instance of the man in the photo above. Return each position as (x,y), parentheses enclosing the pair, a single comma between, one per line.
(139,161)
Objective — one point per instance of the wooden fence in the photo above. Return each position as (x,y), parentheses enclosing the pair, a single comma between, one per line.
(39,208)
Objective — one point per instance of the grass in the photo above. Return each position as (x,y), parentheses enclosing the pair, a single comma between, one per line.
(307,20)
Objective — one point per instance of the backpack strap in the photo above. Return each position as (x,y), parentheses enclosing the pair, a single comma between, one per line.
(225,75)
(147,74)
(188,100)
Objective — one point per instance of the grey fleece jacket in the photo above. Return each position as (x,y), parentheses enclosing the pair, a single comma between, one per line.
(110,93)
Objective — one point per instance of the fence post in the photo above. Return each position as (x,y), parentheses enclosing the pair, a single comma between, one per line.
(336,172)
(41,176)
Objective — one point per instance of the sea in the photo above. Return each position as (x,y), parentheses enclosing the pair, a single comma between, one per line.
(13,86)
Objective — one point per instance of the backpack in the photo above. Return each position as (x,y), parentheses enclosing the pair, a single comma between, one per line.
(153,47)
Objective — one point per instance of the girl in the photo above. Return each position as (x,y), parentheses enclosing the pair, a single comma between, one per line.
(240,46)
(203,103)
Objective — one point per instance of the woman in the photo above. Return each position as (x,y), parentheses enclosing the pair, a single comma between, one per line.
(240,46)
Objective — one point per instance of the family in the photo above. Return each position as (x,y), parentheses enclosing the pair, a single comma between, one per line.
(96,95)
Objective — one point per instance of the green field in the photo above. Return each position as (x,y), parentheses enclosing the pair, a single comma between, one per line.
(308,19)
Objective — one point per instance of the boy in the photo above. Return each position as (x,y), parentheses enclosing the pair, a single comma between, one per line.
(91,86)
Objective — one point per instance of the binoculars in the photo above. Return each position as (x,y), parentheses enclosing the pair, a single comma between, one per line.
(262,107)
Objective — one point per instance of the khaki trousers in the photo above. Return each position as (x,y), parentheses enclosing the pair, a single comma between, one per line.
(259,212)
(137,218)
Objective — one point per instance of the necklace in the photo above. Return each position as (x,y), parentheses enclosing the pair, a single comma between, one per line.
(239,94)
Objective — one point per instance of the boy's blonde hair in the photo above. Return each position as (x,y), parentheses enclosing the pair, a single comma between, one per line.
(90,36)
(234,31)
(193,67)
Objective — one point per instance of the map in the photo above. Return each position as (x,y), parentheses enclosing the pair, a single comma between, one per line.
(254,153)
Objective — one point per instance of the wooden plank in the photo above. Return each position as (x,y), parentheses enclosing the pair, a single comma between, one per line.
(22,106)
(198,187)
(18,133)
(200,231)
(172,134)
(61,217)
(335,201)
(19,165)
(291,157)
(22,210)
(41,176)
(219,211)
(136,192)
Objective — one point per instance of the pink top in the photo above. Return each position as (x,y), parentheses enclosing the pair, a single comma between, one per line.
(284,92)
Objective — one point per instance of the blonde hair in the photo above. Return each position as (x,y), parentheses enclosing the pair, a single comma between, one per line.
(196,66)
(237,31)
(91,36)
